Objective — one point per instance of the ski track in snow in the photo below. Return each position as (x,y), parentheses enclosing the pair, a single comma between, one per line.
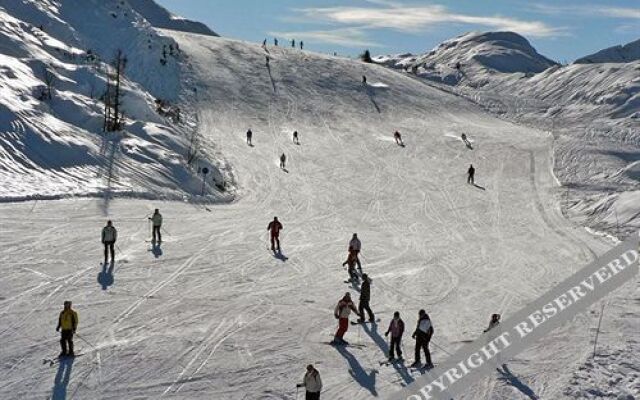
(216,315)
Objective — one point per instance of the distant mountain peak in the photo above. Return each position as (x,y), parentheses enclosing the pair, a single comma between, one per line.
(617,54)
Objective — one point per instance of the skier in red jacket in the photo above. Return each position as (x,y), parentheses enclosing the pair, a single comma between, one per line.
(274,228)
(342,312)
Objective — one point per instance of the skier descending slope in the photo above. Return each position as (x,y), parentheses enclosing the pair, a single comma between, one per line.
(495,321)
(342,312)
(156,220)
(365,297)
(354,247)
(471,172)
(283,160)
(396,328)
(465,140)
(312,383)
(249,136)
(109,237)
(295,137)
(68,323)
(422,335)
(398,138)
(274,228)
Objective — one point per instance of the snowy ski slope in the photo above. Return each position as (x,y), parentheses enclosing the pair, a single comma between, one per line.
(214,315)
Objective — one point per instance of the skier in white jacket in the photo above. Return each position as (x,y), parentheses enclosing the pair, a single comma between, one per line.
(354,248)
(342,312)
(109,237)
(156,220)
(312,383)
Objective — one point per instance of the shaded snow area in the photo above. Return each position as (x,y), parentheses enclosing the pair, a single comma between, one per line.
(51,148)
(592,108)
(212,313)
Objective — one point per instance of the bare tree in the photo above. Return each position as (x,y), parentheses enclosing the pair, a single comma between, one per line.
(49,78)
(113,116)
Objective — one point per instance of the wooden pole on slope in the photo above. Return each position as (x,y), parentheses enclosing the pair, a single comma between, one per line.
(595,342)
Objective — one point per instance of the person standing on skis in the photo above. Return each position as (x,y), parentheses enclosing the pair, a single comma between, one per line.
(354,247)
(422,335)
(67,325)
(156,220)
(342,312)
(301,44)
(471,172)
(351,262)
(249,136)
(365,297)
(398,138)
(312,383)
(274,228)
(283,160)
(109,237)
(295,137)
(364,80)
(396,328)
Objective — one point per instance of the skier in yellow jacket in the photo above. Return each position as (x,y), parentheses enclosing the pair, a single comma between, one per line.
(67,325)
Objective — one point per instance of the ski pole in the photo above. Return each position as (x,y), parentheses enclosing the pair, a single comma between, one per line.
(297,389)
(441,348)
(165,231)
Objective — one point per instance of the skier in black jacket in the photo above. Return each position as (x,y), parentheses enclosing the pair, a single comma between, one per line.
(396,328)
(422,335)
(471,172)
(365,297)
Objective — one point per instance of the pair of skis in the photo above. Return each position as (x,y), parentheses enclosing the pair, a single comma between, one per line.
(57,360)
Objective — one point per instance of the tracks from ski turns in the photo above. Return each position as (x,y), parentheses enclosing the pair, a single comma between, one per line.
(215,314)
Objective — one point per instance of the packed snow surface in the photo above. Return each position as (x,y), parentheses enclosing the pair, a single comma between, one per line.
(213,314)
(592,108)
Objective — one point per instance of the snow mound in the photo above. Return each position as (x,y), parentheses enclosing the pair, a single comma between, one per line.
(54,146)
(616,54)
(160,17)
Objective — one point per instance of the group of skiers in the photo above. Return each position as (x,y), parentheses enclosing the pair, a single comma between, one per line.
(110,235)
(283,157)
(275,43)
(68,318)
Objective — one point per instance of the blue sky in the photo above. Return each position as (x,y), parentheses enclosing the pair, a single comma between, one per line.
(562,30)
